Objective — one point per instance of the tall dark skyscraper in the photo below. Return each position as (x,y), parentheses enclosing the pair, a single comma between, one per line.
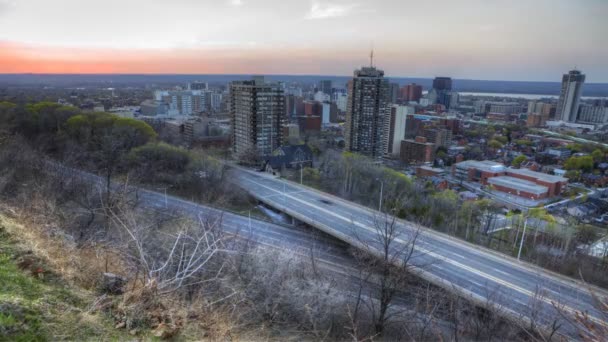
(443,87)
(367,112)
(570,96)
(442,83)
(258,113)
(325,86)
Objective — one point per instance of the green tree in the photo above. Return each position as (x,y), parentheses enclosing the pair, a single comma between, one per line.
(518,160)
(584,163)
(495,144)
(597,155)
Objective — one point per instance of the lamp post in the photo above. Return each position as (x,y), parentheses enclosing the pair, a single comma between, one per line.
(380,199)
(523,237)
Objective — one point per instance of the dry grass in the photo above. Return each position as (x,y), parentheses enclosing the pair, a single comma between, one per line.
(42,235)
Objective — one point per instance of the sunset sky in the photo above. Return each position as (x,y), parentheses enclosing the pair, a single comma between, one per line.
(474,39)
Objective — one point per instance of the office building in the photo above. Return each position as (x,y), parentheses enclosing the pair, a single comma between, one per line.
(442,83)
(442,87)
(198,86)
(325,86)
(411,92)
(367,113)
(570,95)
(523,183)
(257,109)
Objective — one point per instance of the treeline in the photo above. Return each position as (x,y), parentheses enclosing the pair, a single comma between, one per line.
(113,146)
(360,179)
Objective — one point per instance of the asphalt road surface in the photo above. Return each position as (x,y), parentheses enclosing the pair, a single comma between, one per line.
(515,289)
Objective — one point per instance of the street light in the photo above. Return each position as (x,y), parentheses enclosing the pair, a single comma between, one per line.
(380,199)
(523,237)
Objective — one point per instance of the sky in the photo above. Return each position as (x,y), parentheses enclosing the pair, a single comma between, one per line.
(527,40)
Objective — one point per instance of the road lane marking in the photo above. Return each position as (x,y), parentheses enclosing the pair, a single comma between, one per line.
(439,257)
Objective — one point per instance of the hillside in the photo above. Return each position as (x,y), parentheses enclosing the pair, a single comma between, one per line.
(36,304)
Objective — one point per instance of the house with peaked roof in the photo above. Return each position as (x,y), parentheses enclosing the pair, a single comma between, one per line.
(288,157)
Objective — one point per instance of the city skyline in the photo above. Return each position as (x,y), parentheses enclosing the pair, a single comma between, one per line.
(500,40)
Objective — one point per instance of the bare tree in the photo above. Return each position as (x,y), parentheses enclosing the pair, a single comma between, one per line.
(185,258)
(388,254)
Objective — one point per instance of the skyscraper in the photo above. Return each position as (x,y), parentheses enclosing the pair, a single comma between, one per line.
(367,112)
(442,83)
(443,89)
(325,86)
(570,96)
(257,109)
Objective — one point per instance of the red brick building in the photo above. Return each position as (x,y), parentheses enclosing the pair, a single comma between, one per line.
(519,182)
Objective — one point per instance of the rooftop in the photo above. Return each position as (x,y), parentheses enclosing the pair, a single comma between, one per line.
(484,165)
(538,175)
(518,184)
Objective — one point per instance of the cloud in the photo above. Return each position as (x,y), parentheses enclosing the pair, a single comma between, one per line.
(236,2)
(320,10)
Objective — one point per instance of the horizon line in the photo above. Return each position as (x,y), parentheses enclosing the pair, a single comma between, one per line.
(266,74)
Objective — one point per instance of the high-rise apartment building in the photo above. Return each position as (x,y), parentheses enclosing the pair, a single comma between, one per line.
(393,92)
(396,128)
(257,109)
(570,96)
(411,92)
(367,113)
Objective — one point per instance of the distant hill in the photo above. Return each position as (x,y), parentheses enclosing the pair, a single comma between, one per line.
(517,87)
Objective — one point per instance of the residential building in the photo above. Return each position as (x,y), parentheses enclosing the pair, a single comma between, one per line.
(367,113)
(441,137)
(257,109)
(570,95)
(393,90)
(322,97)
(536,119)
(593,114)
(411,92)
(341,101)
(396,132)
(417,151)
(289,157)
(313,108)
(182,102)
(329,113)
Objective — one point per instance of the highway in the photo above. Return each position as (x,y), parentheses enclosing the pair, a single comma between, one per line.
(515,289)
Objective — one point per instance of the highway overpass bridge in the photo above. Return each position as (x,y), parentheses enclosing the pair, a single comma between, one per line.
(516,289)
